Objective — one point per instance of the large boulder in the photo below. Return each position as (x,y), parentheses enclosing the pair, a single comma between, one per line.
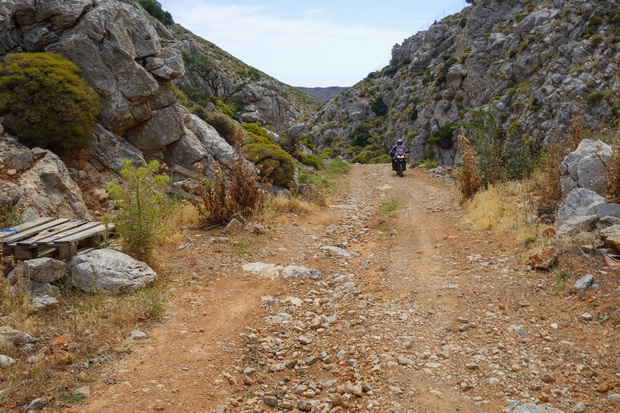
(580,202)
(48,187)
(43,270)
(585,167)
(109,271)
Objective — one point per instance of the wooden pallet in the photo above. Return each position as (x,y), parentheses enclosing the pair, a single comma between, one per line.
(51,237)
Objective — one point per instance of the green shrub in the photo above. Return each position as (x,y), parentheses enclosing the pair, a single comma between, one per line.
(379,107)
(308,159)
(360,159)
(277,166)
(383,158)
(226,127)
(430,164)
(595,20)
(140,204)
(155,10)
(257,134)
(596,97)
(499,159)
(45,102)
(444,137)
(337,167)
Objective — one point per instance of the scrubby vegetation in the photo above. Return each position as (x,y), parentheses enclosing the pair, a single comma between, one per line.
(45,102)
(237,193)
(155,10)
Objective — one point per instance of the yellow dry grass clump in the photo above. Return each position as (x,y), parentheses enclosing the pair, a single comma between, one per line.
(501,207)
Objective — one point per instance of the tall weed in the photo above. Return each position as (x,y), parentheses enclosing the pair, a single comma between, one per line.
(237,193)
(469,173)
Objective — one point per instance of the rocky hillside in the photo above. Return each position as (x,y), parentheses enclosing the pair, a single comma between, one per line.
(131,60)
(258,98)
(526,62)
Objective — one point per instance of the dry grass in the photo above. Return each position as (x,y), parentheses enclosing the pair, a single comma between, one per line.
(184,215)
(613,175)
(502,207)
(93,325)
(276,207)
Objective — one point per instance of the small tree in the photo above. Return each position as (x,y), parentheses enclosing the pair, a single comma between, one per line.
(140,205)
(45,102)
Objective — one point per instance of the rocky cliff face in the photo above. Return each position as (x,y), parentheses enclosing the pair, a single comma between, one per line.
(131,60)
(527,62)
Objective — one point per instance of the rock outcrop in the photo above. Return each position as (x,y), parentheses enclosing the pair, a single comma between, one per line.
(130,59)
(39,180)
(261,99)
(526,62)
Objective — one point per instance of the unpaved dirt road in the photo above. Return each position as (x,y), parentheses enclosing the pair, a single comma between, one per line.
(414,312)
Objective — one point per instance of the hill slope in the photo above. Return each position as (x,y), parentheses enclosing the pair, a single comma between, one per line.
(526,62)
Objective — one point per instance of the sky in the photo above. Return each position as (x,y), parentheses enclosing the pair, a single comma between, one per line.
(317,43)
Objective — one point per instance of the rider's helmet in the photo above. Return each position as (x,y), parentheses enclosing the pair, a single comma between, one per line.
(399,142)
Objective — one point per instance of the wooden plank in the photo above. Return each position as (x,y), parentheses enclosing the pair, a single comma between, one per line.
(178,169)
(82,235)
(25,226)
(69,231)
(66,251)
(183,193)
(56,231)
(34,231)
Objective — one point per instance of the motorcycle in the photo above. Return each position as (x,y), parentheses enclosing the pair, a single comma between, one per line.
(400,160)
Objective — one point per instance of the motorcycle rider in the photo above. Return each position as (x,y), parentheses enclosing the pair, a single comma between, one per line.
(399,142)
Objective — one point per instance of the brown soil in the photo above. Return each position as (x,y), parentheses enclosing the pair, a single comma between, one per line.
(434,317)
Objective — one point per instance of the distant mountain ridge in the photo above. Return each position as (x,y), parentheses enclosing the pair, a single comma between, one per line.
(322,94)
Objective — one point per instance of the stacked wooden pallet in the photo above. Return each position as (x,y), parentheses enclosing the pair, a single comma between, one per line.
(52,237)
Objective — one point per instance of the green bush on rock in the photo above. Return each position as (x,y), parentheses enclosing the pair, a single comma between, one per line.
(45,102)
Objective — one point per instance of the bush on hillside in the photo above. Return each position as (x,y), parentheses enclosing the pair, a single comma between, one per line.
(45,102)
(275,164)
(308,159)
(155,10)
(226,127)
(257,134)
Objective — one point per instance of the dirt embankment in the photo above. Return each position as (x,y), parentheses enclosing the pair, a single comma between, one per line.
(414,312)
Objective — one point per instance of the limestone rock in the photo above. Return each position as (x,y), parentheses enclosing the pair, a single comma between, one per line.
(578,203)
(48,187)
(16,337)
(584,283)
(611,236)
(586,165)
(44,270)
(294,271)
(109,271)
(110,149)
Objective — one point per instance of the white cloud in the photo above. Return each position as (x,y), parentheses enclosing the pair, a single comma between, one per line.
(308,51)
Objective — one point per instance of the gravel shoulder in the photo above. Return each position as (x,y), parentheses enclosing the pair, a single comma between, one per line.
(414,312)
